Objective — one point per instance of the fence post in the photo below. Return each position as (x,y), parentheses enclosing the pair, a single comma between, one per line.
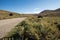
(12,38)
(9,38)
(3,38)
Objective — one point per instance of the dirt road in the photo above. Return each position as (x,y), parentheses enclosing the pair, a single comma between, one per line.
(7,24)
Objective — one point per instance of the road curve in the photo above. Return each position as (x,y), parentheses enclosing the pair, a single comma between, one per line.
(7,24)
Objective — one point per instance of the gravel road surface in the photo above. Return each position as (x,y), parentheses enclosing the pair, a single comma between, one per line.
(8,24)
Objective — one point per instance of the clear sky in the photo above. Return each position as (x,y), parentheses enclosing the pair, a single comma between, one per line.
(28,6)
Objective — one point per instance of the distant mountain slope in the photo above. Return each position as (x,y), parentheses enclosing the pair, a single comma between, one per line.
(50,12)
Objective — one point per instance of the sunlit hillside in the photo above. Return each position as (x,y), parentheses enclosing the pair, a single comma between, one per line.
(50,13)
(7,15)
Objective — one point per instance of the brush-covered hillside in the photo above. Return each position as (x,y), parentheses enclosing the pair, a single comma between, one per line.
(33,28)
(7,14)
(50,12)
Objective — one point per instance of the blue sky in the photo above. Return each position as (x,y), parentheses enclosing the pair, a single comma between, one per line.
(28,6)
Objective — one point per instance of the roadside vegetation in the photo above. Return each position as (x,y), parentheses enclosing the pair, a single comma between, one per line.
(34,28)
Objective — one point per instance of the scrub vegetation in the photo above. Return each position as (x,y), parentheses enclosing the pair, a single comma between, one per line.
(34,28)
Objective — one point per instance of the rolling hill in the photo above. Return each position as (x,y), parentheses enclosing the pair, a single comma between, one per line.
(50,12)
(7,14)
